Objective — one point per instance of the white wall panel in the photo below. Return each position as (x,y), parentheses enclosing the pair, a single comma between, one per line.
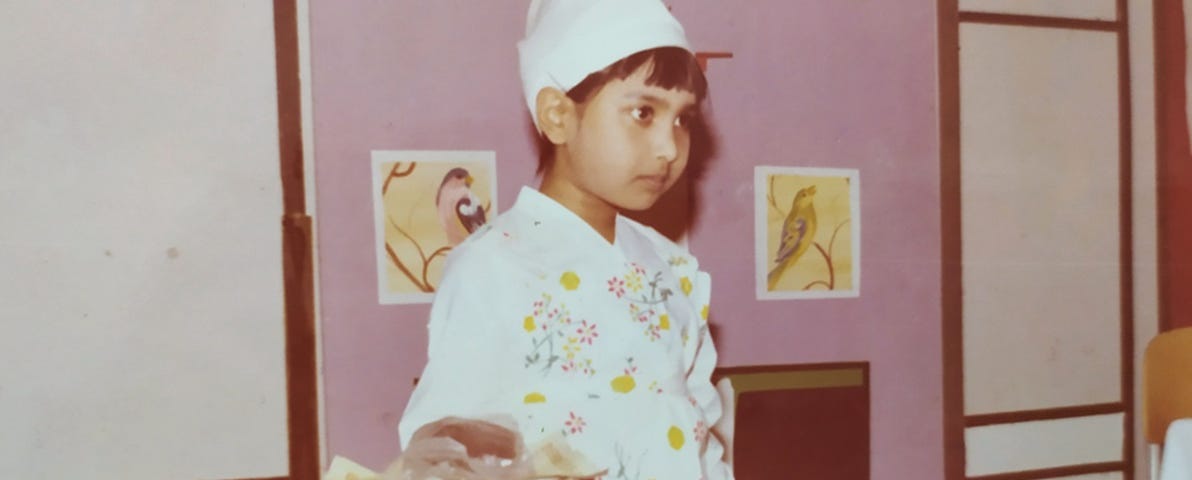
(141,298)
(1040,186)
(1043,444)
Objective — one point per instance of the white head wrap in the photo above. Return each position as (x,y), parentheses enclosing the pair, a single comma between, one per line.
(566,40)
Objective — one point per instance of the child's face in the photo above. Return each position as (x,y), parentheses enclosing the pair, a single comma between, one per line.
(632,142)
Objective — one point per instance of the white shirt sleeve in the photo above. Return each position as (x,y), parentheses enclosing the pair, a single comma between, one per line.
(467,372)
(699,381)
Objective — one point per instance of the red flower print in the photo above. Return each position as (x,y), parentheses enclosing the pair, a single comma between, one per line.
(653,332)
(616,286)
(587,332)
(701,432)
(575,424)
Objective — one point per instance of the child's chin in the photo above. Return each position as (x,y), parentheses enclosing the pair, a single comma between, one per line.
(639,204)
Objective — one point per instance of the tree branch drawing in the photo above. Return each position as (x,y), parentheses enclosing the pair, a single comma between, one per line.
(395,173)
(424,284)
(770,196)
(831,283)
(421,281)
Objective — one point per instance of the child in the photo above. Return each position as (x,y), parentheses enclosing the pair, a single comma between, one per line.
(573,320)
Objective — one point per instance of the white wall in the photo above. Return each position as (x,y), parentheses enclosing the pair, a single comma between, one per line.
(141,294)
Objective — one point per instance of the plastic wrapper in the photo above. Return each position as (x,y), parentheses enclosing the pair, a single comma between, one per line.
(468,449)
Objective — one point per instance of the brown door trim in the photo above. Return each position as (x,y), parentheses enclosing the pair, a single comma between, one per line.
(951,273)
(1076,411)
(1126,235)
(302,400)
(1173,167)
(1042,21)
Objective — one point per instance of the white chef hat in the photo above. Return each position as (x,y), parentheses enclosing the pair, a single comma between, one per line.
(567,40)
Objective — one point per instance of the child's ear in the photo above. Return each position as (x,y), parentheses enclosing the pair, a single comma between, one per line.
(556,113)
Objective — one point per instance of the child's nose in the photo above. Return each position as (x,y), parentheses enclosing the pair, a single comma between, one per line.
(666,145)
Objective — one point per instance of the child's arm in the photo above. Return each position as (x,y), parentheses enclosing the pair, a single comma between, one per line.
(470,365)
(699,381)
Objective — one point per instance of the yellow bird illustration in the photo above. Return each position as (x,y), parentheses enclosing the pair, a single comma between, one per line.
(798,232)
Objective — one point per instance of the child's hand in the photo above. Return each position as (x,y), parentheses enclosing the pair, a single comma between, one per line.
(479,438)
(462,449)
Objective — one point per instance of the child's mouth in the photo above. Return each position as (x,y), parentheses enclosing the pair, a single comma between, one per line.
(657,182)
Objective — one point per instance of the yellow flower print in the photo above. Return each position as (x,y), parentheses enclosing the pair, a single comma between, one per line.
(664,321)
(528,324)
(675,437)
(633,281)
(704,312)
(571,348)
(569,280)
(685,284)
(534,397)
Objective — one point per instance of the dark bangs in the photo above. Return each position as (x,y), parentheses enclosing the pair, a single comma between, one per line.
(670,68)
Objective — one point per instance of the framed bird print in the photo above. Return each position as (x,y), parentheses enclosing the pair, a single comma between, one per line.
(425,203)
(807,232)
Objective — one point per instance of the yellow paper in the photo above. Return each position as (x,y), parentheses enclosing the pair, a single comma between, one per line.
(554,458)
(344,469)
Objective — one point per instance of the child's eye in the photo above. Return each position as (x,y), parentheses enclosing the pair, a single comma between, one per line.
(643,114)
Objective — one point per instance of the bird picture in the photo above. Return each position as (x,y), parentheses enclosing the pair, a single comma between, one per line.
(460,212)
(797,235)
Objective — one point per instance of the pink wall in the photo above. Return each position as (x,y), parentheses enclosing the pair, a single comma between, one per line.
(830,84)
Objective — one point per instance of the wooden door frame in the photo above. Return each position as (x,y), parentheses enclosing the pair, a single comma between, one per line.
(955,421)
(297,246)
(302,393)
(1173,168)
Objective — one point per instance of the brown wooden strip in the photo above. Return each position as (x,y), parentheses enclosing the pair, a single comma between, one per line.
(1041,21)
(297,255)
(1174,166)
(796,367)
(1126,237)
(1002,418)
(951,273)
